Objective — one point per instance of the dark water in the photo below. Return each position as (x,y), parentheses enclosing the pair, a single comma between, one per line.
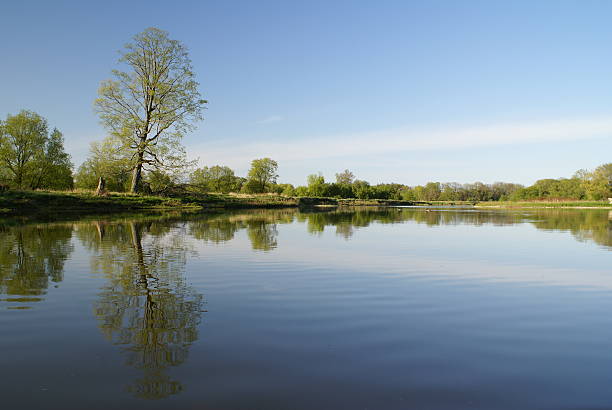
(372,309)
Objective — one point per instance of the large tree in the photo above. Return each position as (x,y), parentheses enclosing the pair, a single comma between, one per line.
(152,105)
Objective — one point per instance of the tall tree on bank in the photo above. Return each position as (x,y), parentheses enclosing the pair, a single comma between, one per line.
(150,107)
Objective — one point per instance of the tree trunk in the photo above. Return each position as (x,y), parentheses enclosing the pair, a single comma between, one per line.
(137,176)
(101,189)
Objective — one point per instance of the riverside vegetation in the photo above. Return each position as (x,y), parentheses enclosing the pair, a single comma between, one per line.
(141,164)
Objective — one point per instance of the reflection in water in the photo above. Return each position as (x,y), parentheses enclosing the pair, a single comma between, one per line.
(261,226)
(146,307)
(153,248)
(594,225)
(30,257)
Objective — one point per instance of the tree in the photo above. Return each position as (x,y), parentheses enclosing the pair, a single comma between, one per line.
(106,160)
(30,156)
(55,168)
(431,191)
(361,189)
(22,138)
(599,183)
(153,105)
(215,179)
(316,185)
(261,175)
(345,177)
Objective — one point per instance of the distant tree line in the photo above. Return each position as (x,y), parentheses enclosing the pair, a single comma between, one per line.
(593,185)
(31,157)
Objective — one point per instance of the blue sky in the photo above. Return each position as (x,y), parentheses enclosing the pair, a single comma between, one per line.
(396,91)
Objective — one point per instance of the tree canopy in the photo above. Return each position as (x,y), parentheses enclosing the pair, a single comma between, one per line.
(106,160)
(216,178)
(30,156)
(151,106)
(262,175)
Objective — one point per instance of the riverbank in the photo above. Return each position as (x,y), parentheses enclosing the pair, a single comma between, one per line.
(47,202)
(52,202)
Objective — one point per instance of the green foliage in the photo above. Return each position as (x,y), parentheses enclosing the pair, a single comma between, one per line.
(283,189)
(107,159)
(159,181)
(595,185)
(452,191)
(316,185)
(216,179)
(30,157)
(301,191)
(362,190)
(262,175)
(55,169)
(598,183)
(150,107)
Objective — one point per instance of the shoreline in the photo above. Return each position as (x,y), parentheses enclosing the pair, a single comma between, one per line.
(14,203)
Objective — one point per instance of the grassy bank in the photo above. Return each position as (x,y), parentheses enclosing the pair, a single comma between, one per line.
(51,202)
(26,202)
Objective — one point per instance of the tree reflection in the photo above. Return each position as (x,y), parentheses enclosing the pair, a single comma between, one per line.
(587,225)
(261,227)
(30,258)
(146,307)
(262,234)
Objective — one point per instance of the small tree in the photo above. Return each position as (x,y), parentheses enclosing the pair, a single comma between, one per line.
(345,177)
(316,185)
(261,175)
(106,160)
(151,106)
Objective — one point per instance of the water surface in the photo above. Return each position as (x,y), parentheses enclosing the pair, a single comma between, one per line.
(391,308)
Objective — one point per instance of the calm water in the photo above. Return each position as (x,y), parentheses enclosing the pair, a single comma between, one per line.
(372,309)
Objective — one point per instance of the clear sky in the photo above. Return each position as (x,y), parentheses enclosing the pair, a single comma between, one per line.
(396,91)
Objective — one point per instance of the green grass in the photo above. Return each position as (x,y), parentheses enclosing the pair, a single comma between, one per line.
(85,202)
(24,202)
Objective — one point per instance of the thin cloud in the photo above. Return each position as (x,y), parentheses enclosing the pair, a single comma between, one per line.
(410,139)
(270,120)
